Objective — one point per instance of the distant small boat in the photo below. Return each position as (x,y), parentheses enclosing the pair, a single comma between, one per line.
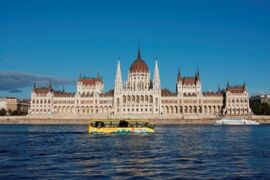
(235,121)
(120,127)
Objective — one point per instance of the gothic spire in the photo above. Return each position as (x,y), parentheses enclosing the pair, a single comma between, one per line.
(198,72)
(179,74)
(245,86)
(197,76)
(156,83)
(139,53)
(35,85)
(228,85)
(118,78)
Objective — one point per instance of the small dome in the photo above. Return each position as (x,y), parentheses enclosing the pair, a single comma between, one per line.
(139,66)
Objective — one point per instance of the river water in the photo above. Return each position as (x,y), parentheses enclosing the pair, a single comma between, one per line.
(173,152)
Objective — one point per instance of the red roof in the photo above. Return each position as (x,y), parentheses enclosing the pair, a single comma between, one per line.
(236,89)
(90,81)
(188,80)
(213,94)
(87,94)
(63,94)
(108,94)
(42,90)
(139,65)
(167,92)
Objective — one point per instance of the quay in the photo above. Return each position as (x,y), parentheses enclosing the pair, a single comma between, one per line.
(83,120)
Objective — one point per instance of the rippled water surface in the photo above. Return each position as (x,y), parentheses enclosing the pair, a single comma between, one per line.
(203,152)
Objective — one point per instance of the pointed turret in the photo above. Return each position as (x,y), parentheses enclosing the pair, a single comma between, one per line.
(118,78)
(245,86)
(197,75)
(179,75)
(35,85)
(228,85)
(156,81)
(139,53)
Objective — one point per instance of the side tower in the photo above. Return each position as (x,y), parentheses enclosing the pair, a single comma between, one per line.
(41,101)
(188,86)
(118,86)
(237,100)
(90,86)
(156,90)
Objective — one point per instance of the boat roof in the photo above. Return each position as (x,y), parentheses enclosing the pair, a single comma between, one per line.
(115,120)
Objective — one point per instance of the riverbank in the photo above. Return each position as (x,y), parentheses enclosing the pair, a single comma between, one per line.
(81,121)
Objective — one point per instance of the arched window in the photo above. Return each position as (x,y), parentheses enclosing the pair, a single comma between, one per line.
(146,98)
(151,99)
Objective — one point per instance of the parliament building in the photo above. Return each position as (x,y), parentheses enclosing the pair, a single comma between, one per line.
(140,97)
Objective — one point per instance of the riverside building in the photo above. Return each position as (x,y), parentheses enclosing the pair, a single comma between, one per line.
(140,97)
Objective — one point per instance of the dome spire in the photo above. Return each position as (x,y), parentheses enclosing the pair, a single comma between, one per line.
(139,52)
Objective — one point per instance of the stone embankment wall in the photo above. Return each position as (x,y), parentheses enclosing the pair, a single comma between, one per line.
(85,120)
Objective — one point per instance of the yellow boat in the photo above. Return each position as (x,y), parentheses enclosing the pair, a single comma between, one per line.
(120,127)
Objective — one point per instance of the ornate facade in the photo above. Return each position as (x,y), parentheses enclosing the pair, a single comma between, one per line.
(140,97)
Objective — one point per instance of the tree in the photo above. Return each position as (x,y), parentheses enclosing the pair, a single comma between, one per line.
(255,106)
(9,112)
(260,108)
(14,113)
(3,112)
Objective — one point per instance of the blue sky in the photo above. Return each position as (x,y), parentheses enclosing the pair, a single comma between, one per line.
(59,40)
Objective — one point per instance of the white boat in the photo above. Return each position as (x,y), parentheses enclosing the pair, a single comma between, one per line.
(235,121)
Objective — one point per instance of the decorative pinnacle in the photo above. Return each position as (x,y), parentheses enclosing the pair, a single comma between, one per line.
(139,52)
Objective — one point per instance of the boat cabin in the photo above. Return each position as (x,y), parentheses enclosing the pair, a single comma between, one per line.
(121,123)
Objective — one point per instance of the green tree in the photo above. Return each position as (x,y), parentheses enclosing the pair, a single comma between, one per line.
(260,108)
(3,112)
(14,113)
(9,112)
(255,106)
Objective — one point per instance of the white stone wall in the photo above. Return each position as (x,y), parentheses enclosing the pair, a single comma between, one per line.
(41,104)
(96,88)
(237,104)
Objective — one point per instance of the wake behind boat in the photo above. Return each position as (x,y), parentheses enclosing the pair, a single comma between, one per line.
(235,121)
(120,127)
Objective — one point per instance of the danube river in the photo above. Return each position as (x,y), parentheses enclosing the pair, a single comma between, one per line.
(204,152)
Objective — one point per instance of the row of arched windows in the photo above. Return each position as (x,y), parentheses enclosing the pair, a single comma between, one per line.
(191,109)
(37,101)
(138,99)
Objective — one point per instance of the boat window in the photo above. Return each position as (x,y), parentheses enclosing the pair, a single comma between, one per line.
(123,124)
(99,124)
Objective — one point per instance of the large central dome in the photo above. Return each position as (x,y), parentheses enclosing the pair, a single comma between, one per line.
(139,66)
